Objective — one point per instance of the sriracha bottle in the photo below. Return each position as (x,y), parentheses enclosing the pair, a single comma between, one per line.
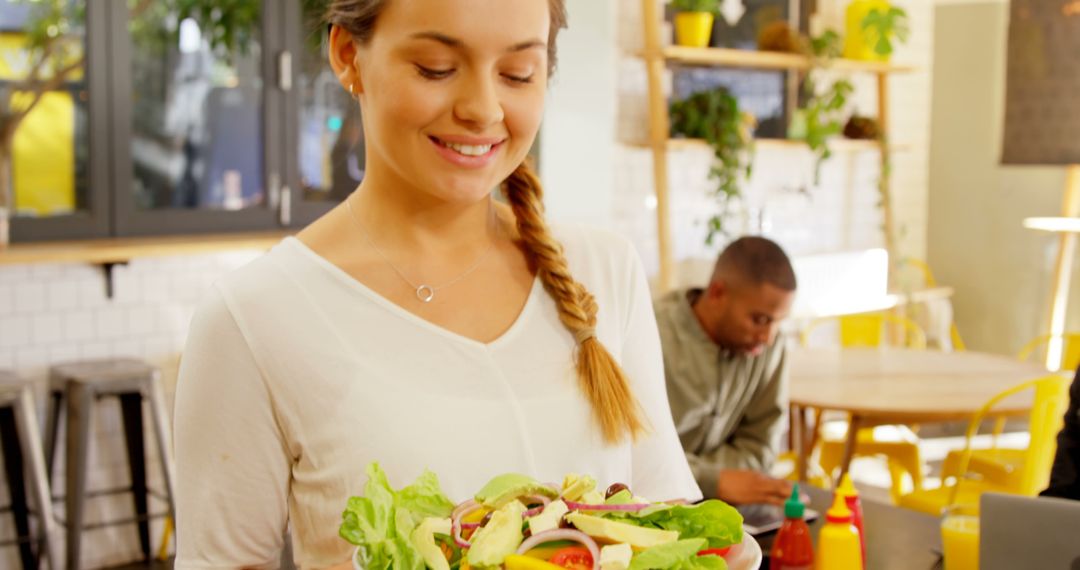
(793,548)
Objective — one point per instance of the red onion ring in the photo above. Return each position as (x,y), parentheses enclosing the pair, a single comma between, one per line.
(469,526)
(461,506)
(456,525)
(563,534)
(628,508)
(533,512)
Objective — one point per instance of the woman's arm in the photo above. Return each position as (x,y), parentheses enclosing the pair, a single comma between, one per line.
(233,464)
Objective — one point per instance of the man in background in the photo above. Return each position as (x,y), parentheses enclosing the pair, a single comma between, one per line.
(726,370)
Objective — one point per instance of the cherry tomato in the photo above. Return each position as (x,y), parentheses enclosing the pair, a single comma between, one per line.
(714,551)
(573,557)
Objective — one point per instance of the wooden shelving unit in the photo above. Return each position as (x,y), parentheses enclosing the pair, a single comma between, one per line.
(657,57)
(839,145)
(765,60)
(122,250)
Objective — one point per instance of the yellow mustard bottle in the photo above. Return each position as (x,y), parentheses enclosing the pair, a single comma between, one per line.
(859,43)
(838,543)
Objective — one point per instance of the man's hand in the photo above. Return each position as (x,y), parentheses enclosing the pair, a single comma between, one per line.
(745,487)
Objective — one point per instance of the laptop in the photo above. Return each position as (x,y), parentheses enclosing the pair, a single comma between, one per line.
(1028,532)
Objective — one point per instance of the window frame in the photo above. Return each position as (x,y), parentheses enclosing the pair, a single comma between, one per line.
(128,219)
(94,221)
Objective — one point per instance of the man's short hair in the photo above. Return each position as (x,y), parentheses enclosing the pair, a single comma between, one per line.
(755,260)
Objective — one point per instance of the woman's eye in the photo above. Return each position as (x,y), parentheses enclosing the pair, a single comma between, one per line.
(519,78)
(429,73)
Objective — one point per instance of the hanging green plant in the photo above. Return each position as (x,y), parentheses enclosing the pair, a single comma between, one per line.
(714,116)
(821,116)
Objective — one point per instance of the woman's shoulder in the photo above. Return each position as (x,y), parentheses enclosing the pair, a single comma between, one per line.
(265,275)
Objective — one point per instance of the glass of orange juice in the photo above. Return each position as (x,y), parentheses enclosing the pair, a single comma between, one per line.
(960,537)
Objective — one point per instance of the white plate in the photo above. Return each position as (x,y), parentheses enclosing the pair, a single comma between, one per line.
(743,556)
(746,555)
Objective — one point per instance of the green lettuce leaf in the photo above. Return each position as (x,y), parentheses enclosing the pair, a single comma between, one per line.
(380,521)
(425,498)
(678,555)
(716,521)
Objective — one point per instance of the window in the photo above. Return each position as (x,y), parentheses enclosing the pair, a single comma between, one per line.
(167,130)
(53,152)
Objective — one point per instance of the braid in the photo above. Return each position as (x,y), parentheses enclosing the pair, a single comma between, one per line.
(614,406)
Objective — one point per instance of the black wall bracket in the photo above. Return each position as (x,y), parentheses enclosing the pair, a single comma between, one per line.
(107,269)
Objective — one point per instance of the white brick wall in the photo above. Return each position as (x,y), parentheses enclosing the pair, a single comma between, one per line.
(841,214)
(55,313)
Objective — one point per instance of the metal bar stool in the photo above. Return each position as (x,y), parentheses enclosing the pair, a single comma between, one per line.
(74,388)
(21,442)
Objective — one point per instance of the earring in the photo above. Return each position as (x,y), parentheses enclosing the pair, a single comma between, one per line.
(352,90)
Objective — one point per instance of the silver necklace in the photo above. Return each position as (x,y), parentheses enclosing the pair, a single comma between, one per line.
(424,292)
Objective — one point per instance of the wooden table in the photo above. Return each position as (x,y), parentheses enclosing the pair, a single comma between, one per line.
(896,538)
(879,386)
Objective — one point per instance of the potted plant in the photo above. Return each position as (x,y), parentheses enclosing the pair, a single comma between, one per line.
(714,116)
(883,26)
(872,27)
(694,21)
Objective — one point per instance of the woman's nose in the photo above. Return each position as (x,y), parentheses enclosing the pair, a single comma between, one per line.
(478,102)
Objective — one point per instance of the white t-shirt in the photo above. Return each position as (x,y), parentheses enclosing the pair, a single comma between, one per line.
(296,376)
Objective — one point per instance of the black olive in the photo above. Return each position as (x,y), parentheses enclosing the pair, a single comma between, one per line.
(563,523)
(614,489)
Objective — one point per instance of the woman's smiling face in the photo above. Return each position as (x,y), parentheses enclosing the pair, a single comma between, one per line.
(452,92)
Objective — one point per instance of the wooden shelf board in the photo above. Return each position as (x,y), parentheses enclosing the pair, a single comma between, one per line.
(753,59)
(836,145)
(119,250)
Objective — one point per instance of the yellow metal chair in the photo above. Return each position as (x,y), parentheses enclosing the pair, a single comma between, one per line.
(928,279)
(870,330)
(1000,465)
(1070,349)
(1032,470)
(898,444)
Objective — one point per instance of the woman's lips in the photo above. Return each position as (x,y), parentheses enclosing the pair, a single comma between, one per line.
(476,153)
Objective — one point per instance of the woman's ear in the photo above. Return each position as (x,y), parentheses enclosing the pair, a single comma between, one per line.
(343,60)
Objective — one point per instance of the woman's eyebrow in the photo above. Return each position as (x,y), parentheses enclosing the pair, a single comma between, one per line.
(456,43)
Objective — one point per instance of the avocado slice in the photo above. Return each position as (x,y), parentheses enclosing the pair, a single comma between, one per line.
(509,486)
(500,537)
(613,532)
(574,486)
(549,518)
(423,539)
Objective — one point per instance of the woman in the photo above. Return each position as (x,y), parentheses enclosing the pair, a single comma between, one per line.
(420,324)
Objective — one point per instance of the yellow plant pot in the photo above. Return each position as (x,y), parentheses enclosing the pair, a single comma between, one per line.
(859,43)
(693,29)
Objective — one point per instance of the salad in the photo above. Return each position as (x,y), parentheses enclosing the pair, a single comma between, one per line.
(517,523)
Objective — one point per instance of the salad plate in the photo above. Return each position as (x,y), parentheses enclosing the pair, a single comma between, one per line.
(517,523)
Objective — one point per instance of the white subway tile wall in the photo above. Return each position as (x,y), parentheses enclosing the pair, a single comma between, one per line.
(56,313)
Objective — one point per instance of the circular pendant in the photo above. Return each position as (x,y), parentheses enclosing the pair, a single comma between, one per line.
(425,293)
